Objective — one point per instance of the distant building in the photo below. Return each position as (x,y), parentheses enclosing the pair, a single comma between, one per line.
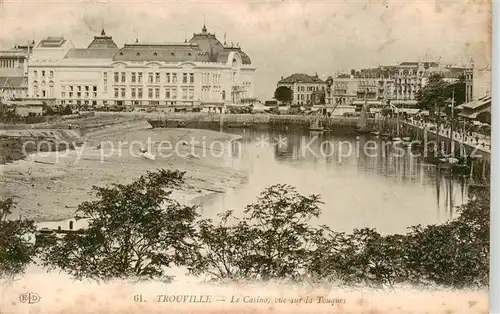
(397,84)
(303,86)
(13,71)
(170,76)
(342,90)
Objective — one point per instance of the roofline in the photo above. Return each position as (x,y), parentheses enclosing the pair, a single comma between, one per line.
(180,44)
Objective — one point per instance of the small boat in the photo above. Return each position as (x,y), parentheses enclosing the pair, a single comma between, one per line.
(181,124)
(315,126)
(396,139)
(406,139)
(384,135)
(376,133)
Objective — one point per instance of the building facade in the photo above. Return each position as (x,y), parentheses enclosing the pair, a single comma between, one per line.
(303,86)
(13,71)
(398,85)
(342,90)
(170,76)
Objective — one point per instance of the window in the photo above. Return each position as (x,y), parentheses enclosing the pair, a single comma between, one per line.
(174,77)
(139,77)
(43,94)
(139,92)
(35,89)
(150,77)
(116,92)
(123,77)
(167,93)
(63,94)
(51,73)
(167,78)
(35,73)
(184,78)
(116,77)
(174,93)
(133,77)
(191,78)
(157,78)
(132,91)
(191,92)
(150,93)
(43,73)
(157,93)
(184,93)
(123,92)
(86,94)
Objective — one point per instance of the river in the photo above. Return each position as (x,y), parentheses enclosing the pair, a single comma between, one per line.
(386,189)
(362,182)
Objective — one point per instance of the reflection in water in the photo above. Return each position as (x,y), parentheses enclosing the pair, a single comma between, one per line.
(364,181)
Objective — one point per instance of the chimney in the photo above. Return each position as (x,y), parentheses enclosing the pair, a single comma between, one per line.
(71,225)
(282,78)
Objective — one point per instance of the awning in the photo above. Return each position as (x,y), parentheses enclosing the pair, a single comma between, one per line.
(484,101)
(474,114)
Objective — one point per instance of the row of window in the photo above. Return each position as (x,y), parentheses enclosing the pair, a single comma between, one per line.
(43,73)
(153,93)
(71,91)
(7,63)
(309,88)
(205,78)
(153,77)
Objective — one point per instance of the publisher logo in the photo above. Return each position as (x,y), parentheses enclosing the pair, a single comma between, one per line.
(29,297)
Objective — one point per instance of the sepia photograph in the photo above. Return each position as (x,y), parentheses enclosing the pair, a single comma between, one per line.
(247,157)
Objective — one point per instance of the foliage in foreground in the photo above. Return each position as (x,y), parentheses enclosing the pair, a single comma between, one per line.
(139,230)
(16,246)
(136,230)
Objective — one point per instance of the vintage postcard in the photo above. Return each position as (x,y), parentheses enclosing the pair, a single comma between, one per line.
(247,156)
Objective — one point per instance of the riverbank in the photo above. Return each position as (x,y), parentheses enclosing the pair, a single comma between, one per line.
(48,186)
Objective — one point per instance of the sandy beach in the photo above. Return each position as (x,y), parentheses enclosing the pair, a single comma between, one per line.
(48,186)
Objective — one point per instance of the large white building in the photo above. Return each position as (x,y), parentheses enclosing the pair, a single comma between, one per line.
(199,73)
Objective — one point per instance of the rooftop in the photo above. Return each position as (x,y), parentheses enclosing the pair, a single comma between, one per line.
(102,42)
(51,42)
(301,78)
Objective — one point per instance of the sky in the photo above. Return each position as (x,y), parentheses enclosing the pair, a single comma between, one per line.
(281,37)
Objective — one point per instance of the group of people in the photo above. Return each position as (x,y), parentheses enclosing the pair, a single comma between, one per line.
(463,130)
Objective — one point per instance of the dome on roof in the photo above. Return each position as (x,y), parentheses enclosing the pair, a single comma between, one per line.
(102,41)
(208,43)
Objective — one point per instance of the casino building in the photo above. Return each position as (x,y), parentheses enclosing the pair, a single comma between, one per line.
(201,73)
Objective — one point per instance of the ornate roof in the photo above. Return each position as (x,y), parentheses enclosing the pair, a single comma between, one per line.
(209,43)
(102,41)
(301,78)
(175,52)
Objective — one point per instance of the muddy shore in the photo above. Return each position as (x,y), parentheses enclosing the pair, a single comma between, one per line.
(49,185)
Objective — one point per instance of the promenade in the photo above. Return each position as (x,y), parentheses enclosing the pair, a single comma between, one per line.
(474,140)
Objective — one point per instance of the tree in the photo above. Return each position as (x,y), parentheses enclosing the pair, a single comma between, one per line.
(67,110)
(135,231)
(433,94)
(283,94)
(16,246)
(459,89)
(272,240)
